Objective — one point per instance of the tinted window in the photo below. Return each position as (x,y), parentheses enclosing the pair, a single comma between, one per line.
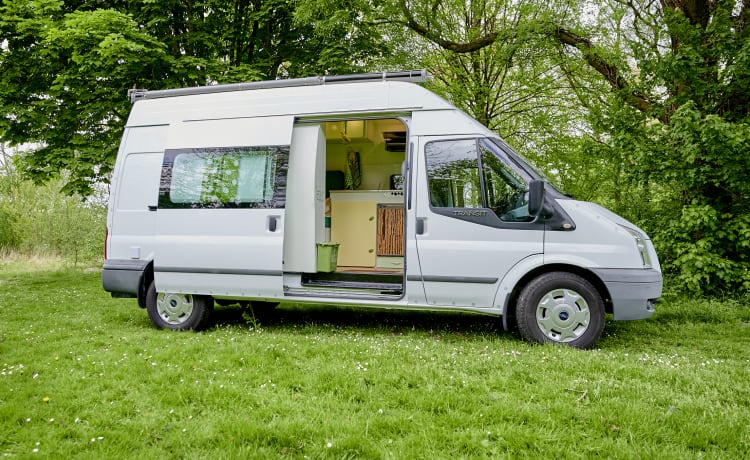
(453,172)
(462,174)
(253,177)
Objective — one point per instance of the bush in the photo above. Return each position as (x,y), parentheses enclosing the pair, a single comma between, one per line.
(41,219)
(8,237)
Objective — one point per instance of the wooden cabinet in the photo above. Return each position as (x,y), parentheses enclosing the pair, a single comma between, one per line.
(353,227)
(355,221)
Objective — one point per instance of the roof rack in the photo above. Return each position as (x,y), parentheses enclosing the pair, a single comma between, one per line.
(413,76)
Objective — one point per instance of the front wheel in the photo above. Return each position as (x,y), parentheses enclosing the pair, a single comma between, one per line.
(178,311)
(560,307)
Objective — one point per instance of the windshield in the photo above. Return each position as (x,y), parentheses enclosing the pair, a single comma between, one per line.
(524,163)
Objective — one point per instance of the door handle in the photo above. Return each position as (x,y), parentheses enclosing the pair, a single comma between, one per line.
(420,225)
(152,207)
(272,223)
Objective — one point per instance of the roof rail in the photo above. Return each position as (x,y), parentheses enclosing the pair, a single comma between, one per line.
(413,76)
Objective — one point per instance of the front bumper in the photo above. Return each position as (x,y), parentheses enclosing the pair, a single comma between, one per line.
(633,292)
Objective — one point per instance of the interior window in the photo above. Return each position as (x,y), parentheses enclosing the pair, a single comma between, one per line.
(457,179)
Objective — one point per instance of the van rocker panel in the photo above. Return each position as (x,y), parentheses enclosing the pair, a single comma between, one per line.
(255,284)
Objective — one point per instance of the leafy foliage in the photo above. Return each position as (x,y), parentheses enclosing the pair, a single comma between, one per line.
(704,156)
(679,121)
(43,220)
(62,86)
(66,66)
(659,127)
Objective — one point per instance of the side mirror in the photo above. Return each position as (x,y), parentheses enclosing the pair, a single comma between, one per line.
(536,197)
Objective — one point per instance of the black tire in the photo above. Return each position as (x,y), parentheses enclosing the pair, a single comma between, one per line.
(178,312)
(560,307)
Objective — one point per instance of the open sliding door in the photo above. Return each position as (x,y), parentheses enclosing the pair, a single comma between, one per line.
(220,218)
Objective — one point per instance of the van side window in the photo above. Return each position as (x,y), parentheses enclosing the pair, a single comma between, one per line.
(506,193)
(465,174)
(453,174)
(252,177)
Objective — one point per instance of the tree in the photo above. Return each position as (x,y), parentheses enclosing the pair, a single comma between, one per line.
(61,85)
(65,66)
(489,59)
(681,75)
(673,130)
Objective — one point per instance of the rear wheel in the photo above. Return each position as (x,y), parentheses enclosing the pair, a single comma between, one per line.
(178,311)
(560,307)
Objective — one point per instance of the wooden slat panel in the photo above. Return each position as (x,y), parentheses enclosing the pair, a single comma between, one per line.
(390,231)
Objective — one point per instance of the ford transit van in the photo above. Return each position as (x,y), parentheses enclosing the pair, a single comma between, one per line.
(362,190)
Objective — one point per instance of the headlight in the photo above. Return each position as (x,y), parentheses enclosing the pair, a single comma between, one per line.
(640,243)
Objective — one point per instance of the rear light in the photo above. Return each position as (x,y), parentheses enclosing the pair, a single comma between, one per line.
(106,241)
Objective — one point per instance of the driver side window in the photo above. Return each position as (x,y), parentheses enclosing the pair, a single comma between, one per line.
(506,193)
(463,175)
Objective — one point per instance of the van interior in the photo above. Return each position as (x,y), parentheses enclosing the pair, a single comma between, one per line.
(363,247)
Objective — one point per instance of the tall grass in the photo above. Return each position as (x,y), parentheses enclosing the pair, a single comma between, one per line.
(41,221)
(86,376)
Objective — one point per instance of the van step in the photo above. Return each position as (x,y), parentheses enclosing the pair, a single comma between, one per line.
(355,280)
(360,294)
(345,284)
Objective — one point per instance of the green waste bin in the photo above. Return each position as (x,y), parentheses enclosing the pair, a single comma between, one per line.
(328,254)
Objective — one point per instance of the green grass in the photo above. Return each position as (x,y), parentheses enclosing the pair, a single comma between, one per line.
(83,375)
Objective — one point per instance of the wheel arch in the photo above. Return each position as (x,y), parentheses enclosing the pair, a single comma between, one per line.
(146,279)
(510,304)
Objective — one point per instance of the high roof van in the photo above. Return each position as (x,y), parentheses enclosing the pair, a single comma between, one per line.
(362,190)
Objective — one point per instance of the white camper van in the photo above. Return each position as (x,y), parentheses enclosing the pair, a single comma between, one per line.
(361,189)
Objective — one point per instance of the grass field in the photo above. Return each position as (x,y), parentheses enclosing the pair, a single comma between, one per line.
(86,376)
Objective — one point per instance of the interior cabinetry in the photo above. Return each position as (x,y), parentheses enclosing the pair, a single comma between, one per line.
(363,229)
(390,234)
(353,227)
